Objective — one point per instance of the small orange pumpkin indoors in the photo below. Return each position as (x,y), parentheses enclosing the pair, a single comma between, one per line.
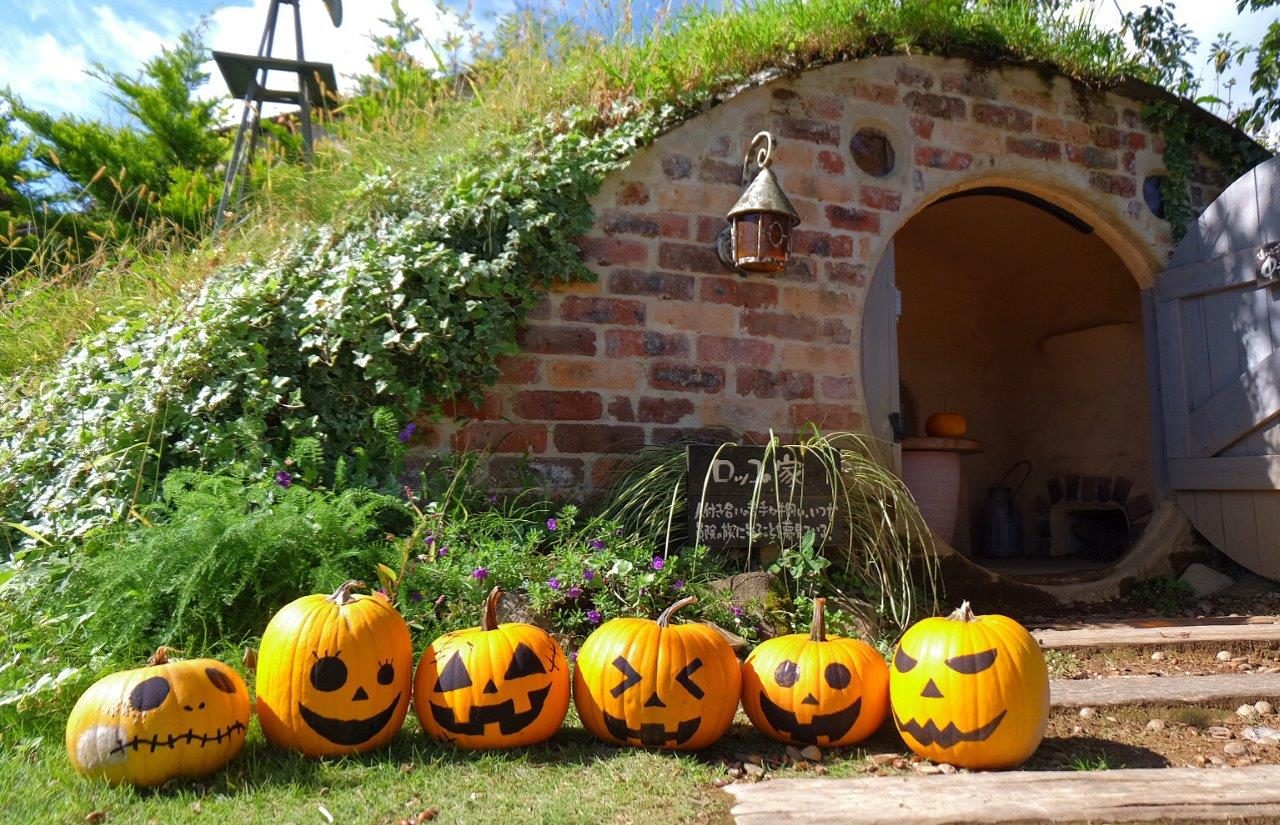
(971,691)
(492,686)
(334,673)
(167,720)
(658,685)
(946,425)
(808,689)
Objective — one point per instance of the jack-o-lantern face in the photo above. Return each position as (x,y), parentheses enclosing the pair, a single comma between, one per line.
(334,674)
(167,720)
(972,691)
(648,683)
(492,686)
(813,690)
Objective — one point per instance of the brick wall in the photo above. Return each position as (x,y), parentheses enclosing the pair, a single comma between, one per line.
(668,343)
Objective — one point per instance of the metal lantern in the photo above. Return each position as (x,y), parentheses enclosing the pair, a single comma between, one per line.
(760,223)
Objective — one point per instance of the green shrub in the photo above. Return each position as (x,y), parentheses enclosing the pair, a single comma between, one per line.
(1165,595)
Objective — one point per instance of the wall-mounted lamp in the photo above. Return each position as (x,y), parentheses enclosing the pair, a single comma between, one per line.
(758,237)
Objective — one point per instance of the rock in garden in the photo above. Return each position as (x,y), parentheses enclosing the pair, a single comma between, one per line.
(1262,735)
(1235,749)
(1263,707)
(747,587)
(736,642)
(1224,655)
(811,752)
(945,768)
(793,753)
(1246,711)
(1087,713)
(1219,732)
(926,768)
(1156,725)
(1205,581)
(1077,730)
(1158,656)
(753,771)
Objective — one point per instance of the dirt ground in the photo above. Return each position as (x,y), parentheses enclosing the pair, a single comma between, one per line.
(1163,661)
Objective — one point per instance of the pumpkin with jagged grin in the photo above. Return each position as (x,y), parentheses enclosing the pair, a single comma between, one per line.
(334,673)
(492,686)
(655,684)
(170,719)
(811,689)
(971,691)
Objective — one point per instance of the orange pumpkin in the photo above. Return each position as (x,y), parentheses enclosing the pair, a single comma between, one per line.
(972,691)
(658,685)
(946,425)
(808,689)
(492,686)
(334,673)
(167,720)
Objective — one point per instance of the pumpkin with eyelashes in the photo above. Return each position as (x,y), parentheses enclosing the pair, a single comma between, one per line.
(492,686)
(808,689)
(653,684)
(334,673)
(167,720)
(971,691)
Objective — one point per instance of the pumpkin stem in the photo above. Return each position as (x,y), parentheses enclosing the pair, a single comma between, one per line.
(161,656)
(665,619)
(963,613)
(490,619)
(818,627)
(342,595)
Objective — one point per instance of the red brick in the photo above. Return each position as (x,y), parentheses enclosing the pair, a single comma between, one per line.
(710,227)
(837,387)
(970,84)
(1008,118)
(666,285)
(605,470)
(1058,129)
(827,417)
(937,106)
(1088,108)
(853,220)
(597,438)
(813,131)
(664,410)
(515,369)
(1136,141)
(830,162)
(686,378)
(943,158)
(557,340)
(558,405)
(1130,162)
(646,224)
(714,349)
(489,409)
(1034,148)
(677,167)
(799,269)
(541,311)
(781,325)
(1121,185)
(912,76)
(711,170)
(836,331)
(1034,98)
(881,93)
(739,292)
(1092,157)
(620,408)
(633,193)
(878,198)
(683,257)
(1108,138)
(1157,145)
(700,435)
(631,343)
(766,384)
(821,244)
(824,107)
(613,251)
(841,272)
(500,437)
(602,310)
(922,127)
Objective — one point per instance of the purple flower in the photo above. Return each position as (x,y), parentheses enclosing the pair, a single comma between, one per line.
(737,611)
(428,539)
(284,478)
(588,574)
(678,584)
(415,595)
(658,562)
(492,498)
(382,591)
(442,552)
(597,544)
(573,656)
(552,524)
(594,616)
(407,432)
(573,592)
(480,574)
(553,583)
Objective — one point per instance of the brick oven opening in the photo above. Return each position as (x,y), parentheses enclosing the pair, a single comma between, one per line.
(1093,532)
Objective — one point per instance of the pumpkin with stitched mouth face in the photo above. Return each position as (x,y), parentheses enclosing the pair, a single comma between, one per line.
(972,691)
(167,720)
(808,689)
(658,685)
(492,686)
(334,673)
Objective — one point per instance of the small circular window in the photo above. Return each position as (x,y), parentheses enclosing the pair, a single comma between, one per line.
(872,151)
(1153,194)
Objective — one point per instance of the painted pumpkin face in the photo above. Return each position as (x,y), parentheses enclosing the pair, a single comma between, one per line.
(814,690)
(652,684)
(972,691)
(334,674)
(492,686)
(156,723)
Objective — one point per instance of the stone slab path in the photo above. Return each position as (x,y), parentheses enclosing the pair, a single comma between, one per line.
(1253,630)
(1179,794)
(1219,689)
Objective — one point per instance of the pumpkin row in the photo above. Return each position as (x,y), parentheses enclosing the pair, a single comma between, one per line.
(334,677)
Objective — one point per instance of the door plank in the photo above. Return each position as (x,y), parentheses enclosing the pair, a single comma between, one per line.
(1240,527)
(1234,269)
(1209,517)
(1250,401)
(1261,472)
(1231,222)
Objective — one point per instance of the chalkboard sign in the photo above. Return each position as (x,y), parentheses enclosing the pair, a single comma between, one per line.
(794,497)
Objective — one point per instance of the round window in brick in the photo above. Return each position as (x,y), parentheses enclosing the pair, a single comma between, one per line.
(1152,194)
(872,151)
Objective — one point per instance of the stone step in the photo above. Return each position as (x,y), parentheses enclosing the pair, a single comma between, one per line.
(1140,795)
(1223,690)
(1252,630)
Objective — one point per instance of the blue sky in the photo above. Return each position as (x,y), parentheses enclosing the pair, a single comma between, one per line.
(49,44)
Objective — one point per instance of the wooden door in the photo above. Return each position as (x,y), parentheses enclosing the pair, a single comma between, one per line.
(1217,311)
(880,360)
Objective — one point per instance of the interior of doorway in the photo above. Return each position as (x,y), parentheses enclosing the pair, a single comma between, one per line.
(1017,316)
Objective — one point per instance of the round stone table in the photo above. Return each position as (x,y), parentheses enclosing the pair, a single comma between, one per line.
(931,471)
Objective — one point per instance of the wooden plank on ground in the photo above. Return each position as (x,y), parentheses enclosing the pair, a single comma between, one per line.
(1089,637)
(1140,795)
(1219,689)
